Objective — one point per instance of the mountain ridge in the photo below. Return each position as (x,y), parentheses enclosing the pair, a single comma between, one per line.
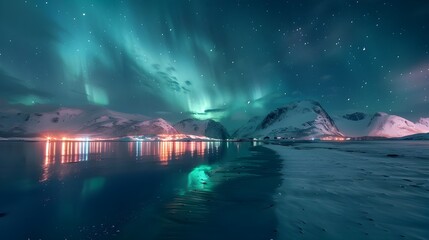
(209,128)
(305,119)
(98,122)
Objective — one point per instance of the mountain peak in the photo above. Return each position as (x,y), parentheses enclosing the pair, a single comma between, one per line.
(356,116)
(301,119)
(385,125)
(381,114)
(208,128)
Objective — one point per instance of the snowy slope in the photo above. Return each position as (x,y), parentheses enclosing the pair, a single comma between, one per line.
(125,127)
(94,122)
(247,129)
(423,123)
(385,125)
(379,125)
(155,126)
(17,122)
(419,136)
(208,128)
(300,120)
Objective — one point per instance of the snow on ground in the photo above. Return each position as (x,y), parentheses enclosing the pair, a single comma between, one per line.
(361,190)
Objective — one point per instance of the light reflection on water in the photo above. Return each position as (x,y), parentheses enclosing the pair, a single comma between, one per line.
(64,152)
(167,151)
(78,151)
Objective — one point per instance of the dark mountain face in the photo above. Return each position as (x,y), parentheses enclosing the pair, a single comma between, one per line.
(208,128)
(216,130)
(357,116)
(273,117)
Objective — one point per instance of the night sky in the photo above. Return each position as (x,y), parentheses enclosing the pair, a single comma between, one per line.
(224,59)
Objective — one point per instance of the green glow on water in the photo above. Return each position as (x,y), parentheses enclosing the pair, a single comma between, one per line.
(92,185)
(199,178)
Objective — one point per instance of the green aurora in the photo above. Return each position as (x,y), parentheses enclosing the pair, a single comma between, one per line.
(226,60)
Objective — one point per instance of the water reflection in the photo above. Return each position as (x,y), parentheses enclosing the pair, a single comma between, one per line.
(167,151)
(69,151)
(92,185)
(199,178)
(79,151)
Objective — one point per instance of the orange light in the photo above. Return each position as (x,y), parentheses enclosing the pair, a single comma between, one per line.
(63,152)
(47,148)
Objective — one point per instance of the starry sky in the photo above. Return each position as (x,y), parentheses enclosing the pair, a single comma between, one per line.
(227,60)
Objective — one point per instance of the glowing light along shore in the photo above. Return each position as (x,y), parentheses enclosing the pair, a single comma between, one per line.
(338,139)
(174,137)
(77,139)
(160,137)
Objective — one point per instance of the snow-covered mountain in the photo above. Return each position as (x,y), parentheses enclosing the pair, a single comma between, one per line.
(129,128)
(208,128)
(423,122)
(385,125)
(299,120)
(94,122)
(379,125)
(247,129)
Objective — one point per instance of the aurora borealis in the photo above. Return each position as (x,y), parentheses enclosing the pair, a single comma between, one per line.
(227,60)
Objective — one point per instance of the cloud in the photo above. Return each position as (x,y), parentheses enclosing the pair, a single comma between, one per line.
(11,88)
(170,70)
(415,78)
(196,113)
(163,113)
(215,110)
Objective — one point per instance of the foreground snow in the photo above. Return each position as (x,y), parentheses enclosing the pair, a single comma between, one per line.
(373,190)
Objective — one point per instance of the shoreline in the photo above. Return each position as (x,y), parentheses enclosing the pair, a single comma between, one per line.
(240,202)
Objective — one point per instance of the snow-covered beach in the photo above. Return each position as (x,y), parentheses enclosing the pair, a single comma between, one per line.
(355,190)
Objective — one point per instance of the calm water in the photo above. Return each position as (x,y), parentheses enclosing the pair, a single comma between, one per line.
(136,190)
